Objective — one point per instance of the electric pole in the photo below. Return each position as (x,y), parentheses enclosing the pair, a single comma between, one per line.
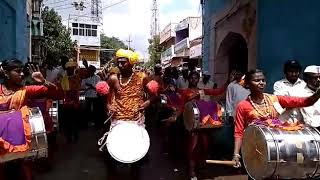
(129,42)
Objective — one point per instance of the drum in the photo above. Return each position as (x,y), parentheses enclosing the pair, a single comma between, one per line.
(275,153)
(195,111)
(127,142)
(39,145)
(53,112)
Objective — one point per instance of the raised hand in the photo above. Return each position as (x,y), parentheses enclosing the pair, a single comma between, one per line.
(36,74)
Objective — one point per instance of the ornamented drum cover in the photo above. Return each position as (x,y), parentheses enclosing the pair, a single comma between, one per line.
(202,114)
(128,142)
(25,141)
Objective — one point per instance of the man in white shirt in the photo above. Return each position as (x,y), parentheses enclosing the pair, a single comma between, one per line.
(311,114)
(182,82)
(206,83)
(291,85)
(89,86)
(235,93)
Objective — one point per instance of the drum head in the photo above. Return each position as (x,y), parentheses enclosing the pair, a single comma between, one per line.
(255,153)
(188,116)
(128,142)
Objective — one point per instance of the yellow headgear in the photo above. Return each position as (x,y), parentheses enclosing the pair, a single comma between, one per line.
(133,57)
(71,63)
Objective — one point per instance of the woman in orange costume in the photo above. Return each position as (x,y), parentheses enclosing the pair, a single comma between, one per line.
(260,107)
(195,136)
(13,97)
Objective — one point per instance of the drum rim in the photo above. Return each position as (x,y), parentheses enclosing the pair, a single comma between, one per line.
(266,144)
(190,111)
(137,159)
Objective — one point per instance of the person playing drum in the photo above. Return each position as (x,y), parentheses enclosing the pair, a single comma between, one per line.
(263,107)
(189,94)
(14,96)
(126,100)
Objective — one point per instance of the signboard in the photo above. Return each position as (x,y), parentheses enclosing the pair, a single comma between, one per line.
(167,32)
(183,25)
(196,51)
(168,52)
(183,44)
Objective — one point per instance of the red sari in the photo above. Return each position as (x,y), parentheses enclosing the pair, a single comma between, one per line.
(246,113)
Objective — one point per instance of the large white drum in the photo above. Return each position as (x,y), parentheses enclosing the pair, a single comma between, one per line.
(278,154)
(128,142)
(39,143)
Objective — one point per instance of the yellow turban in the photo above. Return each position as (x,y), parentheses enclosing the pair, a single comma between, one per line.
(133,57)
(71,64)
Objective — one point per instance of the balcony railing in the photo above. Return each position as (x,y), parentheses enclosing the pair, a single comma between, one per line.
(168,52)
(183,44)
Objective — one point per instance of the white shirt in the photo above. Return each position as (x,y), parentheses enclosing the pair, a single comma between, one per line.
(286,88)
(182,83)
(209,85)
(89,92)
(52,74)
(311,114)
(235,93)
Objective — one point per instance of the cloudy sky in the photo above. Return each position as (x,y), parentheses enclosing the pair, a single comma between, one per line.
(133,18)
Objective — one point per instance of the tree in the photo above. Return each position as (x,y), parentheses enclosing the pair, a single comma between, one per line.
(57,40)
(155,50)
(110,43)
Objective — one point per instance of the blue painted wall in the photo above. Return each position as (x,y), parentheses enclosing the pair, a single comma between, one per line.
(209,8)
(14,31)
(287,29)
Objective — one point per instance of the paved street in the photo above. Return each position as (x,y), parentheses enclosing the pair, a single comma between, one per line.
(82,161)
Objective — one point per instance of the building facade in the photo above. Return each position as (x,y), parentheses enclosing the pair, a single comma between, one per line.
(188,35)
(85,28)
(167,40)
(259,34)
(15,29)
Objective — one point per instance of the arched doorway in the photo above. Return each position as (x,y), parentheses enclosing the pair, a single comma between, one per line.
(232,54)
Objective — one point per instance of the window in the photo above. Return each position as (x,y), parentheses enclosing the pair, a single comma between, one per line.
(81,32)
(94,33)
(84,29)
(75,31)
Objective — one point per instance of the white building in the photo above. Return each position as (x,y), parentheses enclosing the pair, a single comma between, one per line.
(85,27)
(187,47)
(167,40)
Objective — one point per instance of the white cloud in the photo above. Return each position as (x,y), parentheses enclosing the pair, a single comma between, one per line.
(133,17)
(179,15)
(129,18)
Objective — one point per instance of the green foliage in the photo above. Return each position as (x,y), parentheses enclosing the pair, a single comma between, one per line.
(110,43)
(155,50)
(57,41)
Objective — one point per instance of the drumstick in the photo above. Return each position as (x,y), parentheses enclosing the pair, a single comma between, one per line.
(228,163)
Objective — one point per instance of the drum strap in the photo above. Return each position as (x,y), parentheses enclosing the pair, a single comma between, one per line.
(103,141)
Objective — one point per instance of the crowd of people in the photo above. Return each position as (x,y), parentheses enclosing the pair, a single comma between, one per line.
(123,93)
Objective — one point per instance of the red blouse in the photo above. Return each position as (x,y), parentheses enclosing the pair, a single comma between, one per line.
(246,114)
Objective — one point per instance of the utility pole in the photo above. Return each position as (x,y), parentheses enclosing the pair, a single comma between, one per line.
(79,7)
(155,19)
(129,41)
